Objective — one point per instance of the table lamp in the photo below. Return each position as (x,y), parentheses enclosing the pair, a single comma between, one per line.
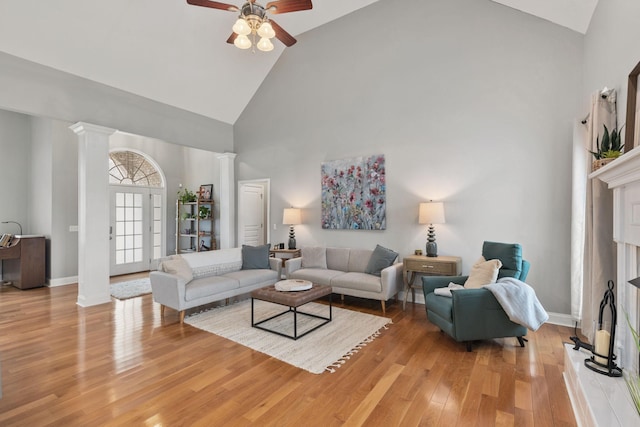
(431,213)
(291,217)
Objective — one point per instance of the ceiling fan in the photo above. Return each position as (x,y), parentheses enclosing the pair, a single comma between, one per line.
(253,20)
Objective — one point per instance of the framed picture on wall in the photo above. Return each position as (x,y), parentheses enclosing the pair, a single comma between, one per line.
(354,193)
(205,192)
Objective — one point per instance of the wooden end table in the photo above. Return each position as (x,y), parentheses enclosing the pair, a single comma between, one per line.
(285,254)
(428,266)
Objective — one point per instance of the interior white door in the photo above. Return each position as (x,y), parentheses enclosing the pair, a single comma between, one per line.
(135,230)
(251,215)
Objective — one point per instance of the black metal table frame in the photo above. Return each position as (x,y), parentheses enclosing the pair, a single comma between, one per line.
(295,319)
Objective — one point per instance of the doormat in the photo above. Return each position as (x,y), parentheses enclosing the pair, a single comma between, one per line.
(131,289)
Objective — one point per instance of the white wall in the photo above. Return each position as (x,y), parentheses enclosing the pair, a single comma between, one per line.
(64,206)
(472,103)
(612,50)
(40,177)
(15,146)
(41,91)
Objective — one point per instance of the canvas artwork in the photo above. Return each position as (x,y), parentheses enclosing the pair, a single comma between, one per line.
(354,194)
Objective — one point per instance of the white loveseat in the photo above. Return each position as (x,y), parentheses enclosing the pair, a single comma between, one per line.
(194,279)
(344,270)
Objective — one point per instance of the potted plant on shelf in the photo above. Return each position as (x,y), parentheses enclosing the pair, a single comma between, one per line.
(186,196)
(610,149)
(204,212)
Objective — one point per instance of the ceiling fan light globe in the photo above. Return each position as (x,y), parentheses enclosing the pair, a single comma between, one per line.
(266,31)
(241,27)
(242,42)
(265,45)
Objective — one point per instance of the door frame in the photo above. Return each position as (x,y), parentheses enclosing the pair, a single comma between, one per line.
(266,184)
(153,264)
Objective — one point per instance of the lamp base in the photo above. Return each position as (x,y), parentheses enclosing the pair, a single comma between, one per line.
(432,249)
(292,243)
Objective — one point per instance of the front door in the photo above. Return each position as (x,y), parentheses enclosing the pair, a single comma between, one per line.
(135,230)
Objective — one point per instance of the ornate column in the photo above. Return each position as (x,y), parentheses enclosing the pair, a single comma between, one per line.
(227,200)
(93,214)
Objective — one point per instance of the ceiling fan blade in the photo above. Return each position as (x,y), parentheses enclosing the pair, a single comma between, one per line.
(285,6)
(214,5)
(282,35)
(232,38)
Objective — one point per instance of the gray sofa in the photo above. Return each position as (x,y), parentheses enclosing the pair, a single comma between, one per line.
(344,270)
(194,279)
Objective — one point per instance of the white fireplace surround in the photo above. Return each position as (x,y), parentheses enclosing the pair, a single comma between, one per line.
(623,177)
(598,399)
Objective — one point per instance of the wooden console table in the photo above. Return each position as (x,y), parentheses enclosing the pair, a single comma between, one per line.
(23,262)
(431,266)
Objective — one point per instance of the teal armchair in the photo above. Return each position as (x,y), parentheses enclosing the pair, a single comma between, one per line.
(475,314)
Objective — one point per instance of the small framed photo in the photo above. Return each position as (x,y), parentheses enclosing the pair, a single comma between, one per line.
(206,192)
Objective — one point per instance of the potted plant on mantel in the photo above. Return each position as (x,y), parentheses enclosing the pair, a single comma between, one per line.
(610,149)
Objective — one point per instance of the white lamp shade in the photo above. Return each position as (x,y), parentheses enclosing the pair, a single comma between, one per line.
(266,30)
(431,213)
(291,216)
(242,42)
(265,45)
(241,27)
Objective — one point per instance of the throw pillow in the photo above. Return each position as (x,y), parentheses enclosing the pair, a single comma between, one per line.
(178,266)
(314,257)
(381,258)
(482,273)
(255,257)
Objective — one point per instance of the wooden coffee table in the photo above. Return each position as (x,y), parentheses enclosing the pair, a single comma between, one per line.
(292,300)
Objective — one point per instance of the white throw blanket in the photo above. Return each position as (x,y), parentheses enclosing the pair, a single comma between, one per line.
(520,302)
(446,292)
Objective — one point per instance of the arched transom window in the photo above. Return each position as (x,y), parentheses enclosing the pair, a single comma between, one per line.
(129,168)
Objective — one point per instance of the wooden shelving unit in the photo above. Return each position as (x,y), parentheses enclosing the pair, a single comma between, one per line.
(195,232)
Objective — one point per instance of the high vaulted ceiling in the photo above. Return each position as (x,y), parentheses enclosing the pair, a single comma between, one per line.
(175,53)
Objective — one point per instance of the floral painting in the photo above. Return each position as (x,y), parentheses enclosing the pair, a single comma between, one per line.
(354,194)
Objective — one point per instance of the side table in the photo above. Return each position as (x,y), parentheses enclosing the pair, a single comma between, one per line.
(285,254)
(430,266)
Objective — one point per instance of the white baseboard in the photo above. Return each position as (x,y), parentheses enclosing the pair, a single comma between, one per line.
(62,281)
(562,319)
(559,319)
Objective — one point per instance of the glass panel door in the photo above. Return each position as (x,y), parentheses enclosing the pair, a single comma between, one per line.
(136,229)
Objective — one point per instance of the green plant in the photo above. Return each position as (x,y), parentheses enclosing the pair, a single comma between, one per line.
(186,196)
(633,381)
(203,212)
(612,145)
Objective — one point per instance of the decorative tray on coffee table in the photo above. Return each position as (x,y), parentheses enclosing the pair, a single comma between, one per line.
(293,285)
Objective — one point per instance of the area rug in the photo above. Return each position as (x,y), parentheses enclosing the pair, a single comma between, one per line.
(131,289)
(324,349)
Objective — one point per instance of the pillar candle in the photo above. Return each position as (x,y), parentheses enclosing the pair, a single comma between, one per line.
(602,346)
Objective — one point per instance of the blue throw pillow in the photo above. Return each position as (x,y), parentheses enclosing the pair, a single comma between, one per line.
(381,258)
(255,257)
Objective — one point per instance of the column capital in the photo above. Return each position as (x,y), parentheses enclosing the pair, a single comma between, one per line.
(226,155)
(82,127)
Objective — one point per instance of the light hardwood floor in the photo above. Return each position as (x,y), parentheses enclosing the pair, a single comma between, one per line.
(121,364)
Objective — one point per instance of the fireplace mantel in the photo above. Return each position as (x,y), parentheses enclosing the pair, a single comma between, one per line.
(623,170)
